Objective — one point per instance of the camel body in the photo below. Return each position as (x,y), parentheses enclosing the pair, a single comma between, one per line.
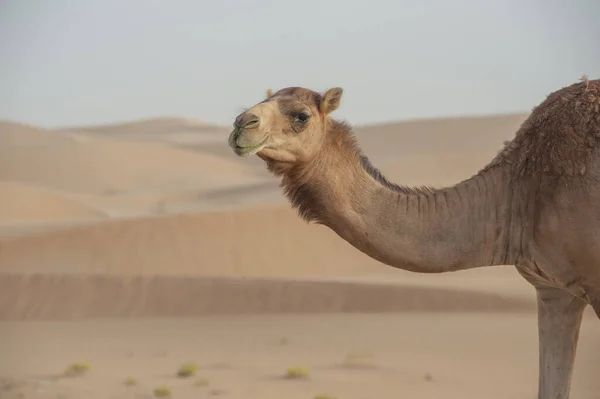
(536,205)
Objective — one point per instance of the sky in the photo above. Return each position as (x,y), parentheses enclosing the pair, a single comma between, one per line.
(75,62)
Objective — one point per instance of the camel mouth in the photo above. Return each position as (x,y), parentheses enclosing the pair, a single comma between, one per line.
(250,150)
(247,150)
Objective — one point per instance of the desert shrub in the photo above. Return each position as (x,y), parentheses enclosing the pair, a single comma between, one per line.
(187,370)
(297,372)
(77,369)
(162,391)
(130,381)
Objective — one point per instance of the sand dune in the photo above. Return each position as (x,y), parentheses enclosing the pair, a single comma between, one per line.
(145,127)
(468,135)
(175,131)
(437,170)
(27,204)
(247,195)
(13,134)
(264,241)
(117,166)
(51,297)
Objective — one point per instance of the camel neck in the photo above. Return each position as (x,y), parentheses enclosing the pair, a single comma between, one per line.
(417,229)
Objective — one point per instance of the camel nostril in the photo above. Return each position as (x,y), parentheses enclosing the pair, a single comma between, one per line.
(251,123)
(247,121)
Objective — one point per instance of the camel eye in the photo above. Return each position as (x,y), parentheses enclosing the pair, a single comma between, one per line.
(302,116)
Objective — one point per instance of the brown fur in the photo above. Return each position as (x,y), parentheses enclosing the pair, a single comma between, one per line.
(535,205)
(559,138)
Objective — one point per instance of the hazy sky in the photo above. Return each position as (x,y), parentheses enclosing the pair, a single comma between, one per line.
(69,62)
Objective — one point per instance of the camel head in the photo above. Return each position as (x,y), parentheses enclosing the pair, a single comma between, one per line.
(288,126)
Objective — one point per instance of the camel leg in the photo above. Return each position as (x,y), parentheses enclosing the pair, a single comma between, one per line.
(559,320)
(595,302)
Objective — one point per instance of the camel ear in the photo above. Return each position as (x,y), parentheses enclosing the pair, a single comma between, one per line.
(269,92)
(331,100)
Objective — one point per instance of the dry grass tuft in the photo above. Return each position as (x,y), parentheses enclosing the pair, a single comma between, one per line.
(77,369)
(162,391)
(187,370)
(297,372)
(130,381)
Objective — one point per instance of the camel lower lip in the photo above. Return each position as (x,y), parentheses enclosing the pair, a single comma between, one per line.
(246,151)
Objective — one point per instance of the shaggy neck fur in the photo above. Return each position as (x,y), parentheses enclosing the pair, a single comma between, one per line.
(419,229)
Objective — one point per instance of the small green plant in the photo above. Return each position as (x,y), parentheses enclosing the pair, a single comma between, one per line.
(297,372)
(201,382)
(187,370)
(162,391)
(130,381)
(77,369)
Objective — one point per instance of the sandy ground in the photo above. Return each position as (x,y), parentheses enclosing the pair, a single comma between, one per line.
(428,355)
(140,246)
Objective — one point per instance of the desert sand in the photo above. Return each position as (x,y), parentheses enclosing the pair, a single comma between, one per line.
(139,246)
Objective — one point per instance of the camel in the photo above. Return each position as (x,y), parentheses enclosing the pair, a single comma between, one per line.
(536,205)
